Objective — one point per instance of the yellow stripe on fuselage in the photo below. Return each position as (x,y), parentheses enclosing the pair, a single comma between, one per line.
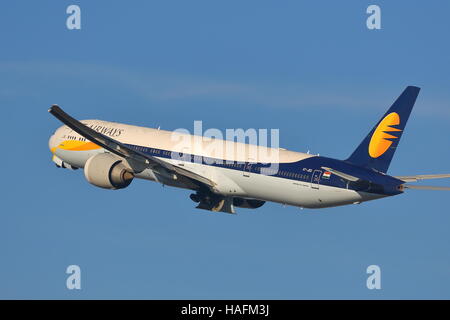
(75,145)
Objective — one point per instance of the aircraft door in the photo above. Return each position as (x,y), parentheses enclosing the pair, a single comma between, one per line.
(315,179)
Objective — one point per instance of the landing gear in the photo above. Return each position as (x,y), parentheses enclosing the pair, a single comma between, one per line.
(195,197)
(213,202)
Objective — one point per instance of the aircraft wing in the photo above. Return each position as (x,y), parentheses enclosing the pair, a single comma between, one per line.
(134,157)
(422,177)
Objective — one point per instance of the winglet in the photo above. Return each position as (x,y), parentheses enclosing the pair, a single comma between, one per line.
(53,107)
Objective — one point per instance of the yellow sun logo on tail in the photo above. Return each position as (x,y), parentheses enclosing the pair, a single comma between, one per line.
(381,140)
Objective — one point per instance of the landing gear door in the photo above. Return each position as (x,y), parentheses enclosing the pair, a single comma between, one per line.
(315,179)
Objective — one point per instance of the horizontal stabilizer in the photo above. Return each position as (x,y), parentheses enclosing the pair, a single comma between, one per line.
(407,186)
(422,177)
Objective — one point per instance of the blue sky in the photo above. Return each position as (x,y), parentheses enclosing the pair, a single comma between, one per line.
(311,69)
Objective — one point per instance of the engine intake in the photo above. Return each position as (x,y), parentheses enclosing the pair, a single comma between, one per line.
(107,171)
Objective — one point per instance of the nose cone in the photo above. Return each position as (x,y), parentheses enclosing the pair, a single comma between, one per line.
(52,143)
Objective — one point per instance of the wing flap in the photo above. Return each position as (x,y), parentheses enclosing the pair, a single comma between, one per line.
(193,175)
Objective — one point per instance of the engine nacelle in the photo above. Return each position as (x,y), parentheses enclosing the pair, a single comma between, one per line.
(108,171)
(247,203)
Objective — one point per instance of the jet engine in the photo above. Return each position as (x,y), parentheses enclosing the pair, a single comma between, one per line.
(108,171)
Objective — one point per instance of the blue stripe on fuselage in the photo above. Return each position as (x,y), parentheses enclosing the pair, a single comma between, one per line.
(302,170)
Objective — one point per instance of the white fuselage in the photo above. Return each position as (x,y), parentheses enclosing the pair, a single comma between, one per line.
(72,149)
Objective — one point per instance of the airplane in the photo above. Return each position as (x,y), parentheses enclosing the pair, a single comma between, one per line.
(113,154)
